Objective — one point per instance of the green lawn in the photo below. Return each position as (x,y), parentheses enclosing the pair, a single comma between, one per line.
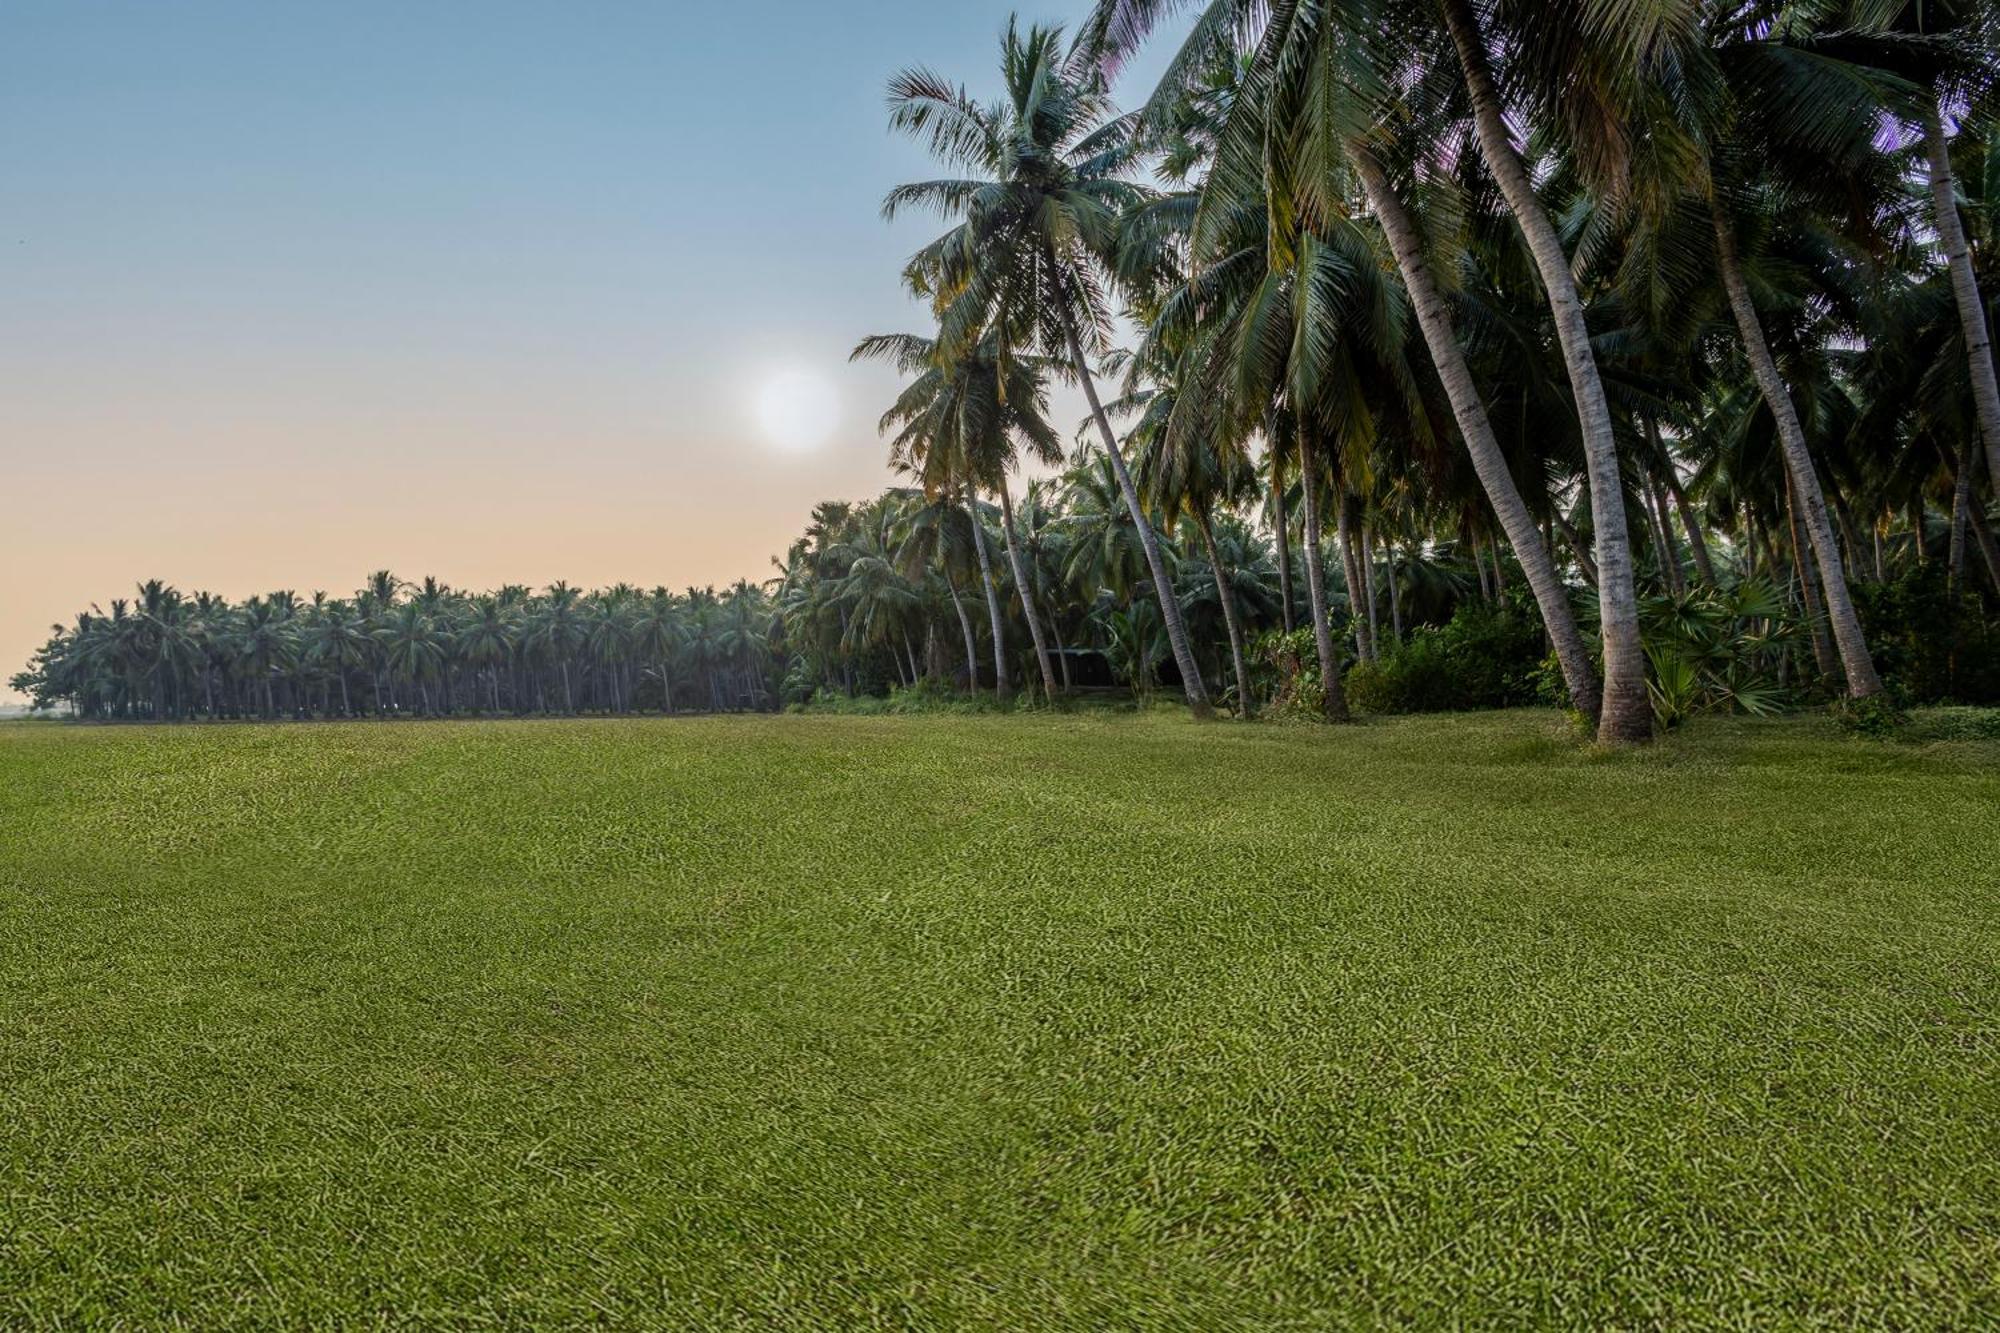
(1020,1022)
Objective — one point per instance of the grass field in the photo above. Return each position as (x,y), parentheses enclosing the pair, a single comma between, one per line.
(1017,1022)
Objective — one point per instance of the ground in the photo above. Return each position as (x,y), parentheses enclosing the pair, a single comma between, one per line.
(1023,1022)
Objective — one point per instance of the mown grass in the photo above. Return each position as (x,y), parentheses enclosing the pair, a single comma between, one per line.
(1024,1022)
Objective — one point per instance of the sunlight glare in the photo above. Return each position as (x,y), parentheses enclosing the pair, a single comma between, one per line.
(797,409)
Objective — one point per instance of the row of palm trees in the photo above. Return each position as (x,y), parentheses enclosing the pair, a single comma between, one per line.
(396,649)
(1609,310)
(1551,280)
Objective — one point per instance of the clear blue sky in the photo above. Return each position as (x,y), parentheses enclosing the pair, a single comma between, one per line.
(293,291)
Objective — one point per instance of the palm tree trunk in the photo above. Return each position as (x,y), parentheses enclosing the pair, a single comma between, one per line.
(1474,427)
(1170,610)
(1027,592)
(1577,547)
(1395,596)
(1002,686)
(1226,594)
(1334,697)
(346,708)
(1627,715)
(1671,548)
(1343,532)
(1862,681)
(1988,547)
(971,639)
(1284,550)
(1823,656)
(1961,519)
(1697,540)
(1374,599)
(1850,535)
(1964,289)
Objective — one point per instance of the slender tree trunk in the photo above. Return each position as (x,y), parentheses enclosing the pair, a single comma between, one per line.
(971,639)
(1499,567)
(1479,564)
(1846,625)
(1002,685)
(1671,549)
(1881,565)
(1395,596)
(1578,548)
(1919,543)
(1964,289)
(1334,696)
(1627,715)
(1343,531)
(1226,594)
(1704,563)
(1850,536)
(1374,598)
(1026,587)
(1989,549)
(1284,551)
(1469,411)
(346,708)
(1961,519)
(1170,610)
(1823,655)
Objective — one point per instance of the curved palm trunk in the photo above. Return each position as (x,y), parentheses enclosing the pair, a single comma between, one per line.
(1469,410)
(971,639)
(1226,594)
(1964,289)
(1334,696)
(1823,657)
(1170,610)
(1002,686)
(1811,501)
(1704,563)
(1022,582)
(1627,714)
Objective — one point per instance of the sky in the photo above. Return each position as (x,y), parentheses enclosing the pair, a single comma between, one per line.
(495,292)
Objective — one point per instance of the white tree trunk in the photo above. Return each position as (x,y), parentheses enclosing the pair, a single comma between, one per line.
(1627,715)
(1965,291)
(1474,427)
(1846,625)
(1022,582)
(1170,610)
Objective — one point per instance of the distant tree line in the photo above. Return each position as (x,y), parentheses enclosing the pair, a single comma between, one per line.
(1661,330)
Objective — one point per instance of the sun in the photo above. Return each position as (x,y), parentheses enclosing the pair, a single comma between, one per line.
(797,409)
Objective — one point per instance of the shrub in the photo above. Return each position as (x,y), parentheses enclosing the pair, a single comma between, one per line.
(1484,657)
(1931,644)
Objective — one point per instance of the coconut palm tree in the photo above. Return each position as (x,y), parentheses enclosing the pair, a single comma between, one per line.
(1037,228)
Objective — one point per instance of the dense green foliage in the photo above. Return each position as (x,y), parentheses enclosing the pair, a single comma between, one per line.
(1665,325)
(1018,1021)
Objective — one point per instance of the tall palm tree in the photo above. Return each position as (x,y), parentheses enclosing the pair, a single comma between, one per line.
(1038,227)
(967,414)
